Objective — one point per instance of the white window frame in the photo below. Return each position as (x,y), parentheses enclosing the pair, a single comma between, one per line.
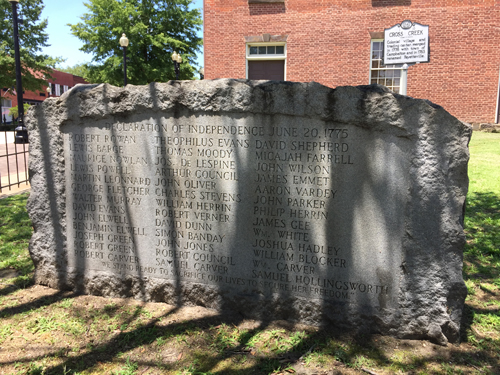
(58,89)
(265,57)
(32,102)
(65,88)
(395,67)
(5,105)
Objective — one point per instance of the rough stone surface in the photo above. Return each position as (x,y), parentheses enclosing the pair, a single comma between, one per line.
(276,200)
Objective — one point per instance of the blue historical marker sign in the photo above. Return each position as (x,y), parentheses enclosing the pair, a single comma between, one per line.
(406,43)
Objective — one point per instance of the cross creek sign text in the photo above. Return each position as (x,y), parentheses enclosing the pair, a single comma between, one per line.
(406,43)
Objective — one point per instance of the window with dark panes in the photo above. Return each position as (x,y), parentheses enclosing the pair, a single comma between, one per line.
(266,62)
(266,50)
(387,75)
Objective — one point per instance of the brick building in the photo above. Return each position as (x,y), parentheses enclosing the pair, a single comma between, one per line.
(339,42)
(59,84)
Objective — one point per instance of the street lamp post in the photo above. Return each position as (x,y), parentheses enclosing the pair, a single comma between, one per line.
(202,73)
(177,58)
(124,44)
(22,134)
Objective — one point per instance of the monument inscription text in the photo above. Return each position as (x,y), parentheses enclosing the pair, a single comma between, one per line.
(259,206)
(275,200)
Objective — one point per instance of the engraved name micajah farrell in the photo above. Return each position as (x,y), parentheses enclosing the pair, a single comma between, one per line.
(284,200)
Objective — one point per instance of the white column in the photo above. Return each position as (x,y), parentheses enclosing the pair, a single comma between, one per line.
(404,79)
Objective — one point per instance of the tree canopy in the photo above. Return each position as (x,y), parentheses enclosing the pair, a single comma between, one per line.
(155,29)
(13,111)
(77,70)
(35,67)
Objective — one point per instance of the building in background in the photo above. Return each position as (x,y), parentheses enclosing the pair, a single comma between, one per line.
(339,43)
(58,84)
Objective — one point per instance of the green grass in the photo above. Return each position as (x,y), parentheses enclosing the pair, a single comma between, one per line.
(482,250)
(482,220)
(92,335)
(15,233)
(128,369)
(484,163)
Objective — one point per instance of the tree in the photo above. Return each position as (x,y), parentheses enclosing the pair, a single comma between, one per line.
(35,67)
(13,111)
(79,70)
(155,28)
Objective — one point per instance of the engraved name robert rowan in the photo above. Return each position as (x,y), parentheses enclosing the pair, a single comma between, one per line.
(186,174)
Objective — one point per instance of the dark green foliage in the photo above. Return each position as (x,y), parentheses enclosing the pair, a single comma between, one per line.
(32,37)
(79,70)
(13,111)
(155,29)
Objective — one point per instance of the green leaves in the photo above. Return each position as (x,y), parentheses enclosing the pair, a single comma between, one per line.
(79,70)
(155,28)
(35,67)
(14,111)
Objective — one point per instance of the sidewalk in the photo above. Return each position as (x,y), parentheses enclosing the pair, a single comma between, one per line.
(13,168)
(16,189)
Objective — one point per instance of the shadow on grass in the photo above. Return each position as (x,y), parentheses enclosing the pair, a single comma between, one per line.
(31,305)
(481,265)
(349,351)
(482,261)
(148,333)
(482,226)
(8,289)
(482,253)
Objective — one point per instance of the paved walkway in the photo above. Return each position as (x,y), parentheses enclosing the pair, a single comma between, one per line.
(13,168)
(22,188)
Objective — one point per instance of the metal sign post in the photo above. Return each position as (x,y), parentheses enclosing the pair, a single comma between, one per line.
(406,43)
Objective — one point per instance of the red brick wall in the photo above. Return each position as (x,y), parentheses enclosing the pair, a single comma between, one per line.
(329,42)
(58,77)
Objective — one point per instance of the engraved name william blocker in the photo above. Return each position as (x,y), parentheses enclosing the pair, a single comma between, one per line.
(276,199)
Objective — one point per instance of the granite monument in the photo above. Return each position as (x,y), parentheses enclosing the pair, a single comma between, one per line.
(277,200)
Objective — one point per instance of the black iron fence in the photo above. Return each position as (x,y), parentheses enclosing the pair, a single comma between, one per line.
(13,162)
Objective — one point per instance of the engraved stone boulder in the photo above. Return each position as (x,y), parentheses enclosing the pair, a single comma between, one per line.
(275,200)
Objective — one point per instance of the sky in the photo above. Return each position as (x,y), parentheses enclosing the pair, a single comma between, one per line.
(62,43)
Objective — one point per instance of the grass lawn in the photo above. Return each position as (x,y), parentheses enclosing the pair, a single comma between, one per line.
(44,331)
